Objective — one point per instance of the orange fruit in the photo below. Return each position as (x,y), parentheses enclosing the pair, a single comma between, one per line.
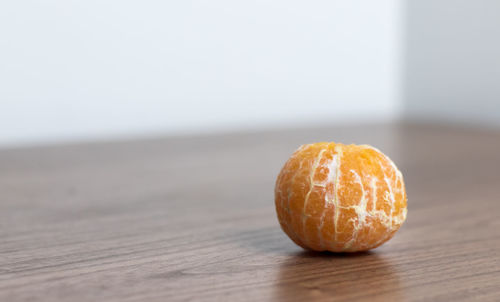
(340,198)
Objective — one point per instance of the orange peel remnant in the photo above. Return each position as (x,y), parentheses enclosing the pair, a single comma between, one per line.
(340,198)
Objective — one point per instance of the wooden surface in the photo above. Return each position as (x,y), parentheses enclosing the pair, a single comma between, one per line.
(193,219)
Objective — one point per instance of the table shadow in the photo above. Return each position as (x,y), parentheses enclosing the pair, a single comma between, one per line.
(337,277)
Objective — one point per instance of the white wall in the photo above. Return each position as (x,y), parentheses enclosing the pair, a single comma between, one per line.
(452,61)
(90,69)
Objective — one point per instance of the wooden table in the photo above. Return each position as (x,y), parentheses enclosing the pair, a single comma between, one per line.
(192,218)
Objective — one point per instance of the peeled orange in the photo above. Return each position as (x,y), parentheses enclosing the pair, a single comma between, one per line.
(340,198)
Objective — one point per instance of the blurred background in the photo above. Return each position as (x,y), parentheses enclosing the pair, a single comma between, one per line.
(94,70)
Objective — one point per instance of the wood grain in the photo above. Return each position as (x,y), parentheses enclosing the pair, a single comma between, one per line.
(192,218)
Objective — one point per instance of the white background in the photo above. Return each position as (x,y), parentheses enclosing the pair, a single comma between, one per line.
(72,70)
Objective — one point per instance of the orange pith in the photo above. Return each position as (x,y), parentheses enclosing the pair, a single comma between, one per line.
(340,198)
